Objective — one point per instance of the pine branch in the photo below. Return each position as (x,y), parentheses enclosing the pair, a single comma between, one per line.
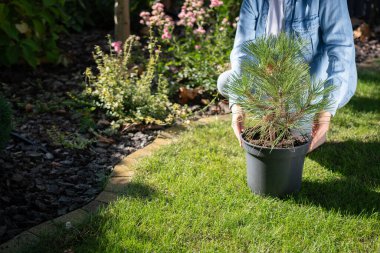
(275,86)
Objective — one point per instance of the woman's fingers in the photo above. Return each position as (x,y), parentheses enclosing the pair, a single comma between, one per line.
(237,122)
(238,128)
(320,129)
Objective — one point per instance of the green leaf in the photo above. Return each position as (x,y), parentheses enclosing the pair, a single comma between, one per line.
(48,3)
(4,10)
(32,44)
(39,28)
(10,30)
(47,18)
(26,8)
(29,55)
(12,54)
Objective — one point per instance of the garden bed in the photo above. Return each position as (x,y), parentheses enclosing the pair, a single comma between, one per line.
(41,178)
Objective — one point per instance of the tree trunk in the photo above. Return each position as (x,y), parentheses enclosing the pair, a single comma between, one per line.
(122,20)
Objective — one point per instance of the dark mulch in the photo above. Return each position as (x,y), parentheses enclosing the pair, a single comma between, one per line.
(40,179)
(367,50)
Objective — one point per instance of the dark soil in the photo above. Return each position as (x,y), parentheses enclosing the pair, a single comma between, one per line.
(252,137)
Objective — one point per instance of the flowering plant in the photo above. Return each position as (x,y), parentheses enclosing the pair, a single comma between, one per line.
(124,91)
(196,46)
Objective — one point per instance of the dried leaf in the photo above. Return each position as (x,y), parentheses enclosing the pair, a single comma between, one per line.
(105,140)
(22,27)
(186,95)
(363,32)
(28,107)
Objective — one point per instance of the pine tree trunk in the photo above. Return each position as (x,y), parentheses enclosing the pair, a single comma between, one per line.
(122,20)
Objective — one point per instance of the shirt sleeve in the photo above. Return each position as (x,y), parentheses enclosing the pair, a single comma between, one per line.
(246,28)
(337,36)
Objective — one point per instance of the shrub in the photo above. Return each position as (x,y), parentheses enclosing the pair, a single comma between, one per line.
(125,94)
(276,90)
(29,30)
(5,121)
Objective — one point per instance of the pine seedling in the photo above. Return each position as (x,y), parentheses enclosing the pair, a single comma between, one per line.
(276,90)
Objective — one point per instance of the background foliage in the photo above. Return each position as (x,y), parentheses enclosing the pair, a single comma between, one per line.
(29,31)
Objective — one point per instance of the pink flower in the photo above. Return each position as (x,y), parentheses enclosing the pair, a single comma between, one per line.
(225,21)
(166,34)
(200,30)
(117,46)
(144,14)
(158,7)
(191,13)
(197,47)
(157,17)
(216,3)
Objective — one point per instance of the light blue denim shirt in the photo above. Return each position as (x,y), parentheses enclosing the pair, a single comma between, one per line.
(325,24)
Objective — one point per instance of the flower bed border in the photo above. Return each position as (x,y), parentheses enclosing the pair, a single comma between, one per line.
(119,178)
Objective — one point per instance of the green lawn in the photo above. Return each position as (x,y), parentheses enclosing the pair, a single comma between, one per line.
(193,196)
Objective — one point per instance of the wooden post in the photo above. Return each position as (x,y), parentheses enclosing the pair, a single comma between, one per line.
(122,20)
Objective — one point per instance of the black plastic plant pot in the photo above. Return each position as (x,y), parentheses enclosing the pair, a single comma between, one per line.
(275,172)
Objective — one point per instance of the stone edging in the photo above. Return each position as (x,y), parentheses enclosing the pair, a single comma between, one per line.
(120,177)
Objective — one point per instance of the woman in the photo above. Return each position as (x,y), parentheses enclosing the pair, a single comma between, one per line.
(326,25)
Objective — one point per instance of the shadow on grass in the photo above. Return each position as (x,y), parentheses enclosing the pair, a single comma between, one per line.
(369,75)
(87,234)
(369,67)
(364,104)
(359,163)
(139,191)
(353,159)
(348,196)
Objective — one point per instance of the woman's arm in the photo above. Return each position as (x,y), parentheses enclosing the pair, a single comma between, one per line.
(246,29)
(337,36)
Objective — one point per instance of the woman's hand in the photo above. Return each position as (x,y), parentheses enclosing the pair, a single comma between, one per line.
(320,128)
(237,121)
